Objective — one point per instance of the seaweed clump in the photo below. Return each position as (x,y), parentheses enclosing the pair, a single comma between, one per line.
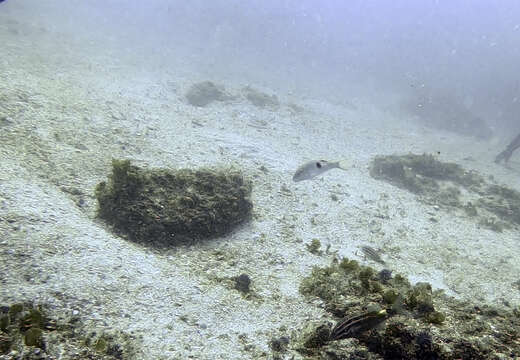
(204,93)
(22,325)
(397,320)
(27,331)
(160,207)
(442,184)
(421,174)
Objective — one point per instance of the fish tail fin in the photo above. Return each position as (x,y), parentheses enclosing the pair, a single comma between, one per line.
(344,165)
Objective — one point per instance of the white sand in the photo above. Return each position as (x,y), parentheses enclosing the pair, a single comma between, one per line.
(71,111)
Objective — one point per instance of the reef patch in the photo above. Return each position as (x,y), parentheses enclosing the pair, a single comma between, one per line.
(160,207)
(393,319)
(452,187)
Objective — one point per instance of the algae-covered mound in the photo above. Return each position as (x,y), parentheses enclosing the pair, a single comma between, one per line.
(159,207)
(414,322)
(450,185)
(23,325)
(204,93)
(260,99)
(503,202)
(420,173)
(27,332)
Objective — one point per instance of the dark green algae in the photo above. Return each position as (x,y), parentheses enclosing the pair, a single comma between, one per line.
(162,207)
(28,332)
(422,323)
(450,186)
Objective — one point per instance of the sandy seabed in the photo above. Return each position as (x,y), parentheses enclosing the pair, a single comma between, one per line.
(65,114)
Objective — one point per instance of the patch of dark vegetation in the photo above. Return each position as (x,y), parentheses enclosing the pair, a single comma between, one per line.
(160,207)
(503,202)
(260,99)
(314,247)
(385,275)
(393,319)
(420,173)
(204,93)
(242,283)
(279,344)
(516,284)
(27,332)
(448,184)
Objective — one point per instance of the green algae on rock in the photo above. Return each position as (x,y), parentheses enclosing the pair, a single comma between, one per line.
(160,207)
(449,185)
(420,173)
(32,334)
(420,323)
(242,283)
(204,93)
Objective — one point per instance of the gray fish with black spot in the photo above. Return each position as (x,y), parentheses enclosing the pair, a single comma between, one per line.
(313,168)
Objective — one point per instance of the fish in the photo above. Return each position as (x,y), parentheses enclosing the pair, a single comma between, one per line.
(311,169)
(353,326)
(372,254)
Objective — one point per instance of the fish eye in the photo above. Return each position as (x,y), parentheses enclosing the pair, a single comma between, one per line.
(318,165)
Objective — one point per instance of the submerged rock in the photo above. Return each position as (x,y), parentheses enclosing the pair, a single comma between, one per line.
(160,207)
(204,93)
(450,185)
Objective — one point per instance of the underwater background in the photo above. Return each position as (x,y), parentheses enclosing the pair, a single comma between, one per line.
(147,202)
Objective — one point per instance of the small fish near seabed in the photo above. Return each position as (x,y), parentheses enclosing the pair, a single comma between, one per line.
(372,254)
(353,326)
(311,169)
